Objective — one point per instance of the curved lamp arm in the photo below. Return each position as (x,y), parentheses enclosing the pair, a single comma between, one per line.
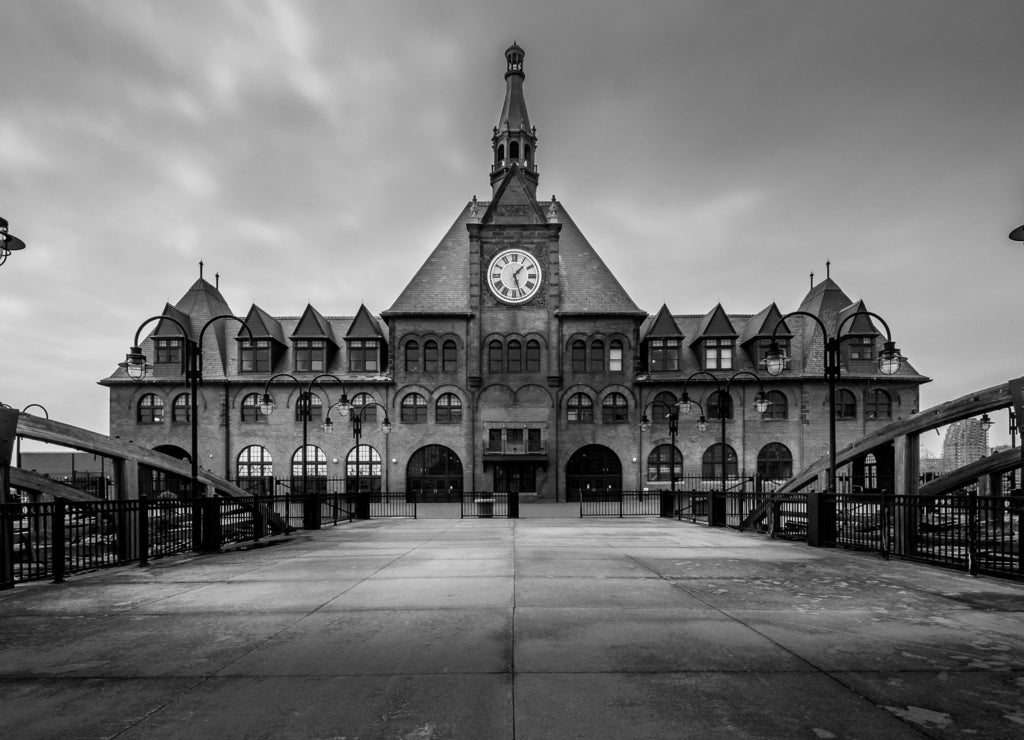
(135,363)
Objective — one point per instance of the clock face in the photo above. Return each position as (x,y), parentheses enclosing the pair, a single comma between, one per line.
(514,276)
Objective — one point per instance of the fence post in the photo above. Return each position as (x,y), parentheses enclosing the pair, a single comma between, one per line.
(258,520)
(972,531)
(6,545)
(143,532)
(58,553)
(513,504)
(885,518)
(211,529)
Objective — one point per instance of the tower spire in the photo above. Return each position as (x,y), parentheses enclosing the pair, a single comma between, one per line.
(514,141)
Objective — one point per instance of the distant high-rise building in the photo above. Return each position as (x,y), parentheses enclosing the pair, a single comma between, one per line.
(965,442)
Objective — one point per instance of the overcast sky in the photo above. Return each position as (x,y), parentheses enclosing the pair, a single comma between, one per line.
(317,151)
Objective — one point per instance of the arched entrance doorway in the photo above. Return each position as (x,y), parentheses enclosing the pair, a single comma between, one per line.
(592,468)
(434,473)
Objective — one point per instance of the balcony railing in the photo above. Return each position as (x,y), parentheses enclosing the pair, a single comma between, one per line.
(524,449)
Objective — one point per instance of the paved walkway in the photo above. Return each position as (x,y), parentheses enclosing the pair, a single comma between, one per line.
(536,628)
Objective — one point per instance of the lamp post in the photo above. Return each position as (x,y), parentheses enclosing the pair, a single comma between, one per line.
(8,242)
(673,431)
(761,404)
(362,504)
(311,503)
(136,366)
(889,361)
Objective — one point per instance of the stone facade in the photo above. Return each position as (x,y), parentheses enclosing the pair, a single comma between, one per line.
(492,383)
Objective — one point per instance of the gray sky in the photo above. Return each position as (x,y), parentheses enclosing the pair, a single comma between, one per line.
(317,151)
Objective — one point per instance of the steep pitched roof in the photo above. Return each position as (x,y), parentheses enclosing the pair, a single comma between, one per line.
(715,323)
(441,285)
(312,325)
(860,324)
(514,190)
(763,324)
(363,326)
(262,325)
(661,325)
(170,330)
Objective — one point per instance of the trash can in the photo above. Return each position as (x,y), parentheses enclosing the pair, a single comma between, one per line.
(484,507)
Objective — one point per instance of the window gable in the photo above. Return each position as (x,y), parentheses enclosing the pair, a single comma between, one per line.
(363,355)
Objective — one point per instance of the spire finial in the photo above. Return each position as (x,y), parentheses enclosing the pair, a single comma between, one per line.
(828,268)
(216,278)
(812,279)
(200,269)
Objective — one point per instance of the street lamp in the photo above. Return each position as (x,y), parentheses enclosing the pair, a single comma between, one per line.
(136,366)
(985,422)
(889,362)
(362,505)
(761,404)
(311,504)
(1018,234)
(8,242)
(673,431)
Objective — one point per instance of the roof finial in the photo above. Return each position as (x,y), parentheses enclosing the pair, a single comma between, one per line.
(828,268)
(474,211)
(812,279)
(216,278)
(200,269)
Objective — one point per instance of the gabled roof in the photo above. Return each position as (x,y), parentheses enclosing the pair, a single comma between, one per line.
(715,324)
(859,325)
(262,325)
(363,326)
(661,325)
(312,325)
(170,330)
(825,300)
(763,324)
(514,190)
(441,285)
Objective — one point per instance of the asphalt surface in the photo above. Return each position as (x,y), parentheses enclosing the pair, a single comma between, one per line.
(532,628)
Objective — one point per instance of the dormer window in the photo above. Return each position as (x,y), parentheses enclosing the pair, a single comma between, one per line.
(310,355)
(254,356)
(168,351)
(718,354)
(663,355)
(860,348)
(363,355)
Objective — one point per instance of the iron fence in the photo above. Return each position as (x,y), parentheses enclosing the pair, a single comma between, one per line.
(963,530)
(489,504)
(626,503)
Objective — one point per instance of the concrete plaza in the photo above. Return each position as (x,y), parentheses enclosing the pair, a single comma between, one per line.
(529,628)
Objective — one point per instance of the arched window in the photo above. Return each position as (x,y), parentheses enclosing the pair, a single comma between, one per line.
(597,356)
(529,153)
(412,356)
(775,462)
(533,356)
(580,408)
(364,399)
(501,152)
(592,469)
(515,356)
(579,356)
(181,408)
(448,409)
(150,409)
(779,406)
(614,409)
(254,470)
(846,404)
(316,470)
(877,404)
(719,405)
(414,409)
(430,356)
(251,409)
(495,361)
(663,461)
(661,407)
(362,470)
(449,357)
(313,403)
(711,463)
(513,150)
(615,356)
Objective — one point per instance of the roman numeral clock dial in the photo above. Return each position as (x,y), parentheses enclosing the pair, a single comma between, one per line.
(514,276)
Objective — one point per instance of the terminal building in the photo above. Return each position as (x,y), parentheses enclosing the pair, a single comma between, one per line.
(513,360)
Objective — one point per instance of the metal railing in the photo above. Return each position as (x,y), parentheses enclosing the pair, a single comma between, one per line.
(55,539)
(963,530)
(489,504)
(626,503)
